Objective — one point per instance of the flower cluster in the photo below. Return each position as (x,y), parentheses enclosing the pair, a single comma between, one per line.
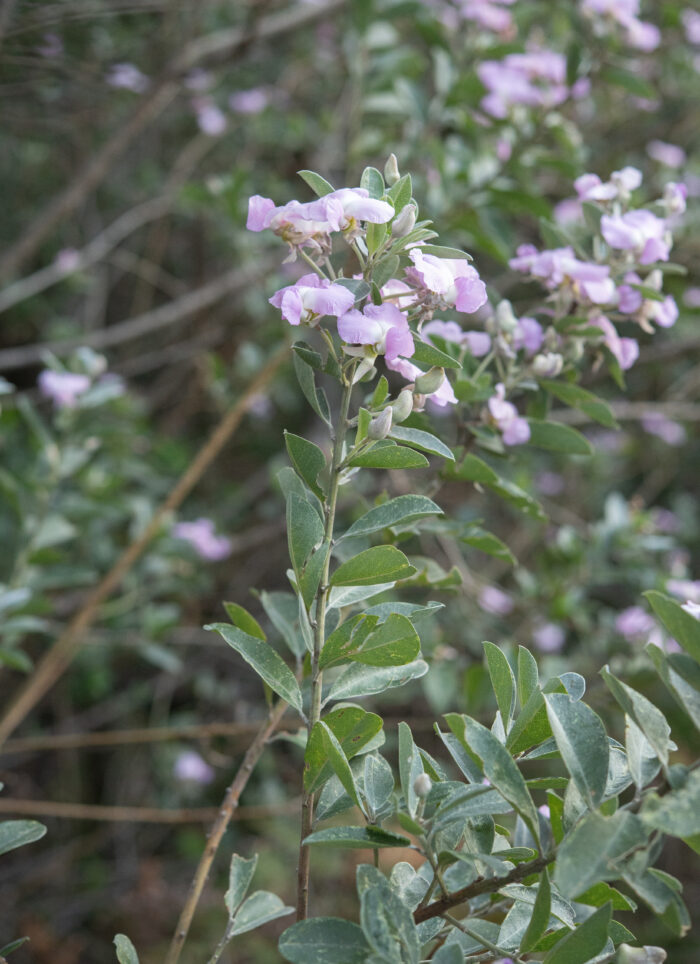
(533,79)
(618,281)
(609,15)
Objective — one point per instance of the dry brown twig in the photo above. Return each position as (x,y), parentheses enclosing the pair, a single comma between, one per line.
(121,814)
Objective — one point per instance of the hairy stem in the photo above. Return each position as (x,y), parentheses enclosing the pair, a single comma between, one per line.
(307,803)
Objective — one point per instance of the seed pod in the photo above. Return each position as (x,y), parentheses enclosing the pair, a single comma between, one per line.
(430,382)
(403,406)
(380,426)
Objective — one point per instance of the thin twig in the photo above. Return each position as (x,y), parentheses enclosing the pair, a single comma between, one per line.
(633,412)
(55,662)
(118,814)
(226,810)
(482,885)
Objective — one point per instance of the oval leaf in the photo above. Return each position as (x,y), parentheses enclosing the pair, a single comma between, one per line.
(379,564)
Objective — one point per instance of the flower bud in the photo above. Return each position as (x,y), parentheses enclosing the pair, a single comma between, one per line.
(366,366)
(505,317)
(626,954)
(655,280)
(430,382)
(391,170)
(380,426)
(422,785)
(547,365)
(402,407)
(404,222)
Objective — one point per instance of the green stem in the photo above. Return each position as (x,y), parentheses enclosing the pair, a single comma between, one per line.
(307,803)
(319,271)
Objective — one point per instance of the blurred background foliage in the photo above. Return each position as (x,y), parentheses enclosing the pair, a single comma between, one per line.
(110,104)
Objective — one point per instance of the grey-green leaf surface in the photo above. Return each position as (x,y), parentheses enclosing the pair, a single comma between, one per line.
(378,781)
(319,185)
(502,680)
(338,761)
(393,643)
(240,875)
(582,742)
(589,852)
(358,680)
(282,609)
(648,718)
(502,771)
(410,766)
(540,914)
(240,617)
(304,530)
(356,838)
(419,439)
(353,727)
(404,508)
(578,397)
(308,460)
(386,921)
(258,909)
(324,940)
(17,833)
(558,438)
(684,628)
(583,944)
(266,662)
(676,813)
(126,952)
(389,455)
(379,564)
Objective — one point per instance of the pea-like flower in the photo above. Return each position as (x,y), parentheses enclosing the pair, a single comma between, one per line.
(63,388)
(639,231)
(513,428)
(381,327)
(446,282)
(203,538)
(310,299)
(560,266)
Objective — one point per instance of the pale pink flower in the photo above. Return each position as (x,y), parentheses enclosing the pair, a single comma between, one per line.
(383,327)
(210,118)
(668,154)
(495,601)
(664,428)
(634,623)
(477,342)
(63,388)
(202,537)
(442,396)
(191,768)
(514,429)
(127,77)
(691,23)
(452,282)
(549,637)
(310,299)
(624,350)
(639,231)
(252,101)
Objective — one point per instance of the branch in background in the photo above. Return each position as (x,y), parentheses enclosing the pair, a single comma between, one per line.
(633,412)
(205,50)
(162,317)
(57,660)
(89,811)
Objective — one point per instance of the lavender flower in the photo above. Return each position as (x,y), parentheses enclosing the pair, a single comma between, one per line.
(495,601)
(203,539)
(127,77)
(668,154)
(253,101)
(664,428)
(634,623)
(549,637)
(191,768)
(513,428)
(63,388)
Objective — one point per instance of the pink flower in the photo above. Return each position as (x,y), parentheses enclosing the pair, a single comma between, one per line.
(691,23)
(191,768)
(634,623)
(477,342)
(297,223)
(63,388)
(513,428)
(67,260)
(489,14)
(442,396)
(693,609)
(624,350)
(639,34)
(210,118)
(127,77)
(383,327)
(668,154)
(589,187)
(452,282)
(639,231)
(202,537)
(252,101)
(549,637)
(493,600)
(567,211)
(664,428)
(675,196)
(684,589)
(691,297)
(310,299)
(528,335)
(535,79)
(51,46)
(560,266)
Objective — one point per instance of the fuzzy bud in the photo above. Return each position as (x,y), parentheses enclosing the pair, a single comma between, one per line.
(626,954)
(547,365)
(391,170)
(380,426)
(505,316)
(422,785)
(404,222)
(430,382)
(402,407)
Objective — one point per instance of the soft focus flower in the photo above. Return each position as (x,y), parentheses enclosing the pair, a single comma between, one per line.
(624,350)
(191,768)
(664,428)
(549,637)
(198,80)
(63,388)
(51,46)
(634,623)
(669,154)
(310,299)
(67,260)
(550,483)
(528,335)
(589,187)
(684,589)
(692,608)
(513,428)
(496,601)
(534,79)
(639,231)
(127,77)
(252,101)
(202,537)
(451,282)
(637,33)
(488,14)
(477,342)
(544,810)
(691,23)
(560,266)
(567,211)
(691,297)
(383,327)
(675,196)
(210,118)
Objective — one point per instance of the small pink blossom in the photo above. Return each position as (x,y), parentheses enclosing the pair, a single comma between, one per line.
(453,282)
(383,327)
(639,231)
(495,601)
(534,79)
(253,101)
(478,343)
(202,537)
(560,266)
(691,24)
(624,350)
(528,335)
(567,211)
(664,428)
(51,46)
(310,299)
(67,260)
(191,768)
(127,77)
(210,118)
(549,637)
(668,154)
(514,429)
(634,623)
(63,388)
